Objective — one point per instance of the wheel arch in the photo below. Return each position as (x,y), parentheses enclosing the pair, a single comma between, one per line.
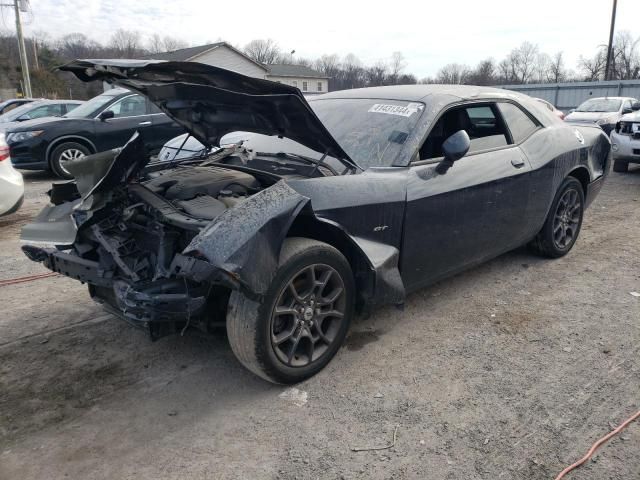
(69,138)
(581,174)
(374,265)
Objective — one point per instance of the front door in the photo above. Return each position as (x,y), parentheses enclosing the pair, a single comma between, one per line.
(129,114)
(474,211)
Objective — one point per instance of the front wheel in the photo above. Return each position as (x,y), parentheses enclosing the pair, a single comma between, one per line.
(563,223)
(64,153)
(304,317)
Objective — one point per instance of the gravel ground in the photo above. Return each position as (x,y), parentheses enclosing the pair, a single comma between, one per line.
(510,370)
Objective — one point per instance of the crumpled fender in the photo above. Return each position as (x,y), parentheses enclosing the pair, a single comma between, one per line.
(245,241)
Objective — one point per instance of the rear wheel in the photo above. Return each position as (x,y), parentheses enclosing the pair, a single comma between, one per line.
(620,166)
(304,317)
(563,223)
(66,152)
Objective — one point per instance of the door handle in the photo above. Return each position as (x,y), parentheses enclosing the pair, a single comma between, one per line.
(517,162)
(144,124)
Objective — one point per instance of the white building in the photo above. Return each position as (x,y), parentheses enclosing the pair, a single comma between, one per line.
(223,55)
(308,80)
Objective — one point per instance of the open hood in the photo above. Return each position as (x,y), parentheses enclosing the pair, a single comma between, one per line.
(211,102)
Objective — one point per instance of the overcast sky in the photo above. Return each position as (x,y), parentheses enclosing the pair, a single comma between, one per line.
(428,33)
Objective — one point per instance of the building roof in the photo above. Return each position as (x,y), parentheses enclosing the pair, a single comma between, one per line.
(288,70)
(183,54)
(191,53)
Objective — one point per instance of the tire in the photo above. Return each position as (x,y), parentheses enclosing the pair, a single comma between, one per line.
(253,328)
(620,166)
(562,226)
(66,151)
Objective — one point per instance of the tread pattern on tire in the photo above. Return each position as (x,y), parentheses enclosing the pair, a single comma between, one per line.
(243,314)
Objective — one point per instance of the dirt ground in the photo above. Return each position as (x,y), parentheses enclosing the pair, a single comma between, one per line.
(509,371)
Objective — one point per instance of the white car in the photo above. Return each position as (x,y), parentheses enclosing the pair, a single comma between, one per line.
(11,183)
(605,112)
(625,141)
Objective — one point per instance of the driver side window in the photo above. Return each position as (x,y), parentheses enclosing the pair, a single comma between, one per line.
(481,123)
(131,106)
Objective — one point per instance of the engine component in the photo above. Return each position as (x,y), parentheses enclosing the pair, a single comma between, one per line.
(185,183)
(203,206)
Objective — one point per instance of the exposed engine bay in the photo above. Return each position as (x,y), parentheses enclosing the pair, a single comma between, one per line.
(203,192)
(130,253)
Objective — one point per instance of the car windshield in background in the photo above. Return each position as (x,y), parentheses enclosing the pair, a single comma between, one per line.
(91,106)
(372,132)
(11,115)
(600,105)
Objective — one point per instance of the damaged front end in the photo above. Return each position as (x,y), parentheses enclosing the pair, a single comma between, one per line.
(163,251)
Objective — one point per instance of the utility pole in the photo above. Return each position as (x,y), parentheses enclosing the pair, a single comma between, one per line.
(610,47)
(26,79)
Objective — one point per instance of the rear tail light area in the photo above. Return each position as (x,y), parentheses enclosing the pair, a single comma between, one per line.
(4,151)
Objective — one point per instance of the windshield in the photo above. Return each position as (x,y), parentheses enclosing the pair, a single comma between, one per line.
(11,115)
(600,105)
(90,107)
(372,132)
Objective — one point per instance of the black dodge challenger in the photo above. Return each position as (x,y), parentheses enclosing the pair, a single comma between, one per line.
(311,210)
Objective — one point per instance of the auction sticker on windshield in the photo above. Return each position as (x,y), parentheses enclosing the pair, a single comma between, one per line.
(401,110)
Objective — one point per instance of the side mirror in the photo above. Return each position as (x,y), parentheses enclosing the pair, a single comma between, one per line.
(572,110)
(22,118)
(106,115)
(454,148)
(635,107)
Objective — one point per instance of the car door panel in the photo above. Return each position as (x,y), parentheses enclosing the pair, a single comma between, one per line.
(475,211)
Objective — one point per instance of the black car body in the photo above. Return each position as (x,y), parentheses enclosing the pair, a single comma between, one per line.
(332,205)
(46,143)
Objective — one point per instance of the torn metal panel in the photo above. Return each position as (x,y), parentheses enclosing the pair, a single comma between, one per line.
(246,240)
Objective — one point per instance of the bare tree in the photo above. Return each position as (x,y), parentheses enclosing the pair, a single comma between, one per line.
(376,74)
(263,51)
(557,72)
(396,65)
(593,68)
(171,43)
(483,74)
(453,73)
(126,43)
(626,58)
(77,45)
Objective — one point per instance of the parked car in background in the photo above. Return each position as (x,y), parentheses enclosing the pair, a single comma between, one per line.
(603,111)
(102,123)
(558,113)
(11,183)
(332,205)
(36,109)
(8,105)
(625,140)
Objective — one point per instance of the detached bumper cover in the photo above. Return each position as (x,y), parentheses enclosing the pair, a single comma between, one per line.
(165,300)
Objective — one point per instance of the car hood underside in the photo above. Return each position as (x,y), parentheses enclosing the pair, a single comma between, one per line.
(211,102)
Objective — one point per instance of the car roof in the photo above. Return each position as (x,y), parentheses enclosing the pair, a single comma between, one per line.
(416,93)
(610,98)
(53,102)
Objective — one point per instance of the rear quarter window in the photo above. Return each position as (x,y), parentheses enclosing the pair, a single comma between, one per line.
(519,123)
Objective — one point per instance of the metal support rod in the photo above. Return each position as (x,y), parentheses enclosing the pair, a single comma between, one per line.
(23,53)
(610,47)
